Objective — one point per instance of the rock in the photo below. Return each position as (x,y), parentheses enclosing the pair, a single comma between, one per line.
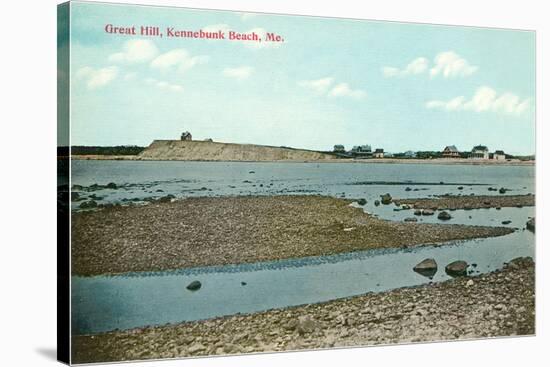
(362,201)
(376,202)
(411,219)
(306,325)
(386,199)
(74,196)
(88,205)
(492,189)
(530,225)
(427,267)
(460,187)
(166,199)
(486,202)
(195,348)
(243,283)
(195,285)
(418,212)
(427,212)
(111,185)
(405,207)
(456,268)
(502,190)
(506,222)
(444,216)
(470,283)
(408,189)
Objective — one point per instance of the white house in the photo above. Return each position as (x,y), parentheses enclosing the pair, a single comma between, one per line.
(480,152)
(378,153)
(499,155)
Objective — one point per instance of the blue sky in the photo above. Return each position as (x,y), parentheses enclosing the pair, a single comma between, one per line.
(332,81)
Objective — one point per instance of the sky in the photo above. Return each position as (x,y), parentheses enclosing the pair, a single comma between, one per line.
(397,86)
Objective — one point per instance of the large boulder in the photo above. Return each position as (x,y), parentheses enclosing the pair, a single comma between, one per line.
(418,212)
(456,268)
(411,219)
(444,216)
(427,212)
(427,267)
(362,201)
(376,202)
(386,199)
(530,225)
(195,285)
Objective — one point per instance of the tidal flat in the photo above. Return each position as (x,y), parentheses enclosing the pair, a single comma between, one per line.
(204,231)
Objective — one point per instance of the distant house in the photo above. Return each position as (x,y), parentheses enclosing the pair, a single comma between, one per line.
(378,153)
(480,152)
(339,148)
(209,140)
(186,136)
(450,151)
(410,154)
(361,151)
(499,155)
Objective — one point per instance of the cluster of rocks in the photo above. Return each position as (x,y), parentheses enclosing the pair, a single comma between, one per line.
(452,202)
(497,304)
(428,268)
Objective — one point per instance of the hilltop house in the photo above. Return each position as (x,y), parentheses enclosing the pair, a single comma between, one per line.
(450,151)
(378,153)
(186,135)
(339,148)
(479,152)
(361,151)
(499,155)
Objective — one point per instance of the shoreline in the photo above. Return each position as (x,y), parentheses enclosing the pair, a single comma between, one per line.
(501,303)
(439,161)
(205,231)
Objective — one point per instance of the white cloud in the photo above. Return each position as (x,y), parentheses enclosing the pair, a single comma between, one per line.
(241,73)
(451,65)
(416,66)
(344,90)
(178,59)
(485,99)
(324,86)
(318,85)
(135,51)
(96,78)
(164,85)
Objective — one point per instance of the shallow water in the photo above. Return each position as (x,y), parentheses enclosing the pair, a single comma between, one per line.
(142,179)
(104,303)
